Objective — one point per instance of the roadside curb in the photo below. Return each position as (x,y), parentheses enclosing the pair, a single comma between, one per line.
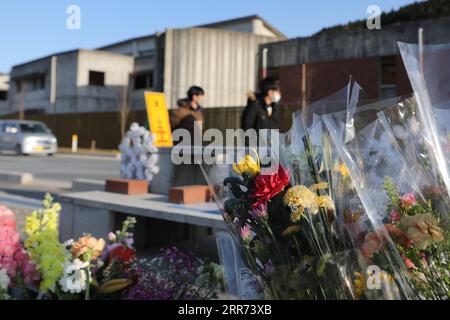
(16,177)
(115,155)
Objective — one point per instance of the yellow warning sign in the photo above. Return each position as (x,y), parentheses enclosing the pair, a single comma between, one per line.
(158,118)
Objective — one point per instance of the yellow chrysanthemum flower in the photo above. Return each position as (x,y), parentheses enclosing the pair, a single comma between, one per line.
(343,170)
(301,196)
(248,165)
(325,202)
(297,214)
(319,186)
(359,284)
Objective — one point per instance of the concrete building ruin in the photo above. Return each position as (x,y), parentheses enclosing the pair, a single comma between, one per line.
(221,57)
(4,87)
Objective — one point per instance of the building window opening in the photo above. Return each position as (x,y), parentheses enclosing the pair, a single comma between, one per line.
(388,82)
(143,81)
(96,78)
(38,82)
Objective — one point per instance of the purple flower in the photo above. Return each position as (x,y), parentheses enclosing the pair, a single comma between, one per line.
(169,276)
(129,242)
(268,269)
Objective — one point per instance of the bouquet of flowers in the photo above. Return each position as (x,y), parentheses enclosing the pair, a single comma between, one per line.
(91,268)
(370,157)
(284,229)
(351,226)
(428,71)
(85,268)
(422,238)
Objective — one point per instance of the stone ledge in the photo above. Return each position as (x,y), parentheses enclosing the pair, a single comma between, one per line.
(150,206)
(16,177)
(80,185)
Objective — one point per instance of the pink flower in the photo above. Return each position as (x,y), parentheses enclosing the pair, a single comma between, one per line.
(246,233)
(373,242)
(13,257)
(408,200)
(260,212)
(395,216)
(7,218)
(408,263)
(112,236)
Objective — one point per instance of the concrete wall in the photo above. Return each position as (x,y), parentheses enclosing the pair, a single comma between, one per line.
(4,81)
(117,69)
(73,92)
(30,99)
(330,59)
(134,47)
(255,26)
(66,83)
(4,86)
(355,44)
(222,62)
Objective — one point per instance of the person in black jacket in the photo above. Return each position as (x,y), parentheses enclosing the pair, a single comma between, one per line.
(262,110)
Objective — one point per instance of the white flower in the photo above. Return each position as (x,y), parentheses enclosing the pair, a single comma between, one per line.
(4,279)
(68,243)
(75,276)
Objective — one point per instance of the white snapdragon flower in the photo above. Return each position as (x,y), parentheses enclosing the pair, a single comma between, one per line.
(75,276)
(4,279)
(69,243)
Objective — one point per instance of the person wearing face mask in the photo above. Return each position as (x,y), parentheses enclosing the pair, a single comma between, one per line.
(189,111)
(262,110)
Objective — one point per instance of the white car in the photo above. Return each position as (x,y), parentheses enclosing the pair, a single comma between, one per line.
(27,137)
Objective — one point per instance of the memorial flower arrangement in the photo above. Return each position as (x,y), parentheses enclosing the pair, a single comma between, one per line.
(285,233)
(139,158)
(316,227)
(93,268)
(77,269)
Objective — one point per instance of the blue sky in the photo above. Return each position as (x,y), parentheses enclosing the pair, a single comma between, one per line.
(31,29)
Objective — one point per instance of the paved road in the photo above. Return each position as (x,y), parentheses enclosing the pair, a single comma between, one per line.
(62,168)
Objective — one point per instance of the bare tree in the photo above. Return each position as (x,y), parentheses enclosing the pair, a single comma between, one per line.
(123,105)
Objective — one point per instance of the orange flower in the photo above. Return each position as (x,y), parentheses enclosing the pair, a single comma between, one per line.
(87,243)
(395,231)
(372,244)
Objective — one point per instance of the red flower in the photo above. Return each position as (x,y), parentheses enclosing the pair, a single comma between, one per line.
(268,186)
(122,253)
(408,263)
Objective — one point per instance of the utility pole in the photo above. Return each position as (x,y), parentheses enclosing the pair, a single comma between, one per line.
(54,62)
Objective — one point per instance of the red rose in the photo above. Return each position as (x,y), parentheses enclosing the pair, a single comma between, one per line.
(122,253)
(268,186)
